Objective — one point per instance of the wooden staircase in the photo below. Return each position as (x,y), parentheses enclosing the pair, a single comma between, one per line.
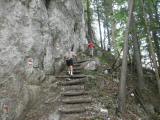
(75,100)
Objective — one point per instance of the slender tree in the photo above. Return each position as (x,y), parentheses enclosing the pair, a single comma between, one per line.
(137,56)
(157,45)
(99,23)
(114,38)
(122,92)
(155,32)
(154,25)
(104,38)
(108,35)
(151,48)
(89,20)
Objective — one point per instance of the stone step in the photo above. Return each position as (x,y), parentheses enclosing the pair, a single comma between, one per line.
(73,82)
(73,87)
(77,100)
(74,93)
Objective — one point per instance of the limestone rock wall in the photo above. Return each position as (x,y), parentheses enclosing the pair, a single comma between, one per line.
(34,35)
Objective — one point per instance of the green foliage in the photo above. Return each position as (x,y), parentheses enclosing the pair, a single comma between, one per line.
(106,58)
(117,11)
(121,15)
(120,39)
(119,2)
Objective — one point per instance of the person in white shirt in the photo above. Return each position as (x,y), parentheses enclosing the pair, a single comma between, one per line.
(69,60)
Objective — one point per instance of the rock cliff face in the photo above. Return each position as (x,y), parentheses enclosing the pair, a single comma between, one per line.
(34,35)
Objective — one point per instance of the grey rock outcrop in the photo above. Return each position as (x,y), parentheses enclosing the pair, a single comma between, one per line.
(92,64)
(34,35)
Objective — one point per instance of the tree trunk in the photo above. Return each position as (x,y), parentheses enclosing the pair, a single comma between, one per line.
(109,40)
(122,92)
(99,23)
(151,49)
(155,29)
(157,44)
(104,39)
(157,15)
(89,20)
(137,57)
(114,46)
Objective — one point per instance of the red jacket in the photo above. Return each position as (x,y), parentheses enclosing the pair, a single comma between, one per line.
(90,45)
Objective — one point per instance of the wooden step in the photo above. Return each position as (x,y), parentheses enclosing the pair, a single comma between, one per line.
(77,100)
(76,65)
(73,87)
(86,115)
(73,82)
(78,117)
(71,109)
(74,116)
(82,61)
(77,68)
(78,76)
(76,72)
(66,117)
(72,77)
(88,118)
(74,93)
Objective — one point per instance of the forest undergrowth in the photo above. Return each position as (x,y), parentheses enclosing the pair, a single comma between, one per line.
(140,105)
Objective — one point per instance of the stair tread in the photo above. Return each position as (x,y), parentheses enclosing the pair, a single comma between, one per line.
(73,82)
(70,116)
(76,106)
(76,72)
(77,117)
(73,77)
(74,93)
(81,61)
(73,87)
(77,64)
(72,108)
(75,100)
(77,68)
(84,105)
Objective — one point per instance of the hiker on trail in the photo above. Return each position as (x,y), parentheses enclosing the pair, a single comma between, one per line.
(91,47)
(69,60)
(108,47)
